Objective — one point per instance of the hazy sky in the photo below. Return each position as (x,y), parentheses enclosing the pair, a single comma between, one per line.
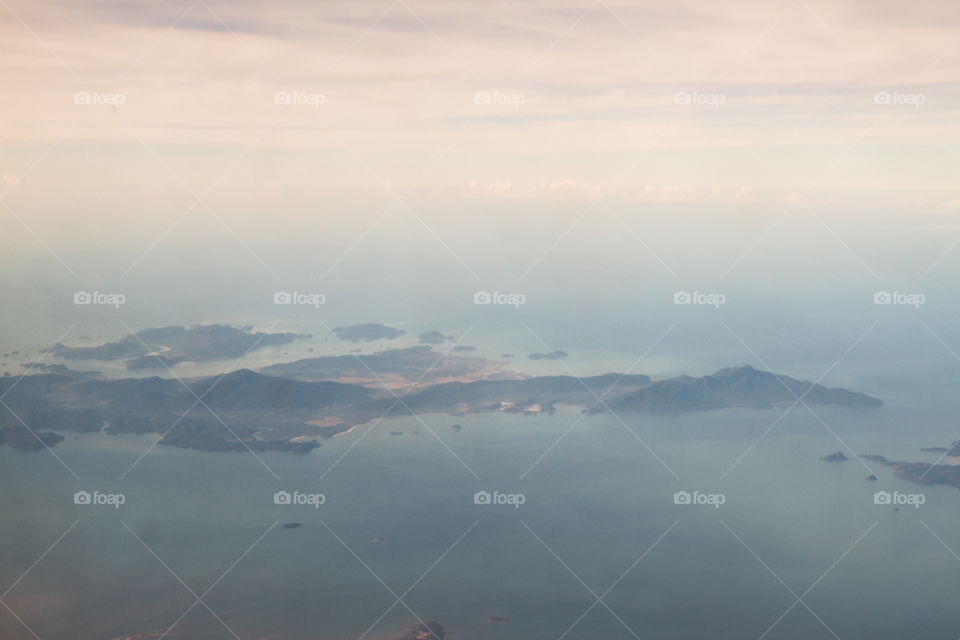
(397,156)
(578,91)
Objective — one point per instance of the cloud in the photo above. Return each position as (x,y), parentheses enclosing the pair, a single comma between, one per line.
(665,193)
(498,188)
(399,93)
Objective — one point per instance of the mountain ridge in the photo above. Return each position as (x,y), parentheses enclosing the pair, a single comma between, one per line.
(269,412)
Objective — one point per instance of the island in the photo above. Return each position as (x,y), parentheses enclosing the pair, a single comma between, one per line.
(925,473)
(553,355)
(293,407)
(367,332)
(835,457)
(164,347)
(397,368)
(21,439)
(432,337)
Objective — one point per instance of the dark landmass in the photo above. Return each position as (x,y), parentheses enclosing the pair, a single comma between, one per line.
(396,433)
(21,439)
(934,449)
(922,472)
(463,347)
(553,355)
(743,387)
(871,478)
(246,410)
(177,344)
(393,367)
(367,332)
(498,619)
(293,525)
(835,457)
(456,427)
(223,437)
(433,337)
(954,449)
(243,410)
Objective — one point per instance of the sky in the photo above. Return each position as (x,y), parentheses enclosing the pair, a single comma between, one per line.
(577,91)
(398,156)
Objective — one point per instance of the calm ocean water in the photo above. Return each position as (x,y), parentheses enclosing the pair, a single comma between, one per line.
(399,520)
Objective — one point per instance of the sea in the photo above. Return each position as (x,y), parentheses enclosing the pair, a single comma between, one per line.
(720,524)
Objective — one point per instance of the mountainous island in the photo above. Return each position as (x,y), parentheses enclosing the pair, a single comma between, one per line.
(166,346)
(293,406)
